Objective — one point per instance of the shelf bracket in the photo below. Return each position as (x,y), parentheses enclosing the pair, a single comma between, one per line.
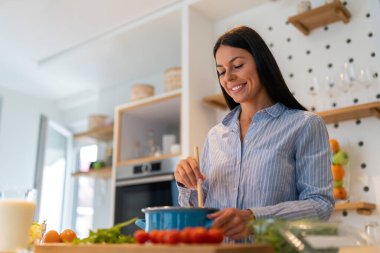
(364,211)
(342,15)
(302,28)
(375,112)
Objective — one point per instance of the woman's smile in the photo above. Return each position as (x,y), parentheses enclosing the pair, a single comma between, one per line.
(235,89)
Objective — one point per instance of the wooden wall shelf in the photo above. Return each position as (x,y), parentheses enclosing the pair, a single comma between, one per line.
(101,133)
(363,208)
(146,159)
(321,16)
(330,116)
(104,173)
(351,112)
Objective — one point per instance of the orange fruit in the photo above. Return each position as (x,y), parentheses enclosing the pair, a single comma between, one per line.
(340,193)
(51,236)
(68,235)
(337,172)
(334,145)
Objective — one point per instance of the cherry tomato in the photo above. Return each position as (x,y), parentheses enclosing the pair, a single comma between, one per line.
(185,235)
(161,235)
(198,235)
(154,236)
(141,236)
(215,235)
(51,236)
(68,235)
(172,237)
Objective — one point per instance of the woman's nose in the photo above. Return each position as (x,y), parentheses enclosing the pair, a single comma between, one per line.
(229,75)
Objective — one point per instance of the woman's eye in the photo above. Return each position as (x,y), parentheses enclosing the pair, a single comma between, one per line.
(239,66)
(221,73)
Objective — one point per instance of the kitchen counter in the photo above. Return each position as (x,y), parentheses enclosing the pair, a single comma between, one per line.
(150,248)
(153,248)
(360,250)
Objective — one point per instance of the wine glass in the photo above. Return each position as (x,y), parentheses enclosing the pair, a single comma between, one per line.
(313,88)
(347,81)
(372,230)
(331,90)
(366,80)
(349,70)
(345,97)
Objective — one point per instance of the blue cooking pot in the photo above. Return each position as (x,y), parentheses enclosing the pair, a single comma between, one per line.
(166,218)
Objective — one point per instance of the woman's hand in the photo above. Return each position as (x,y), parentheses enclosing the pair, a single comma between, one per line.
(187,173)
(233,222)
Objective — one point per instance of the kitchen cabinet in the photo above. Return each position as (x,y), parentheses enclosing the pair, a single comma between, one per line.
(321,16)
(135,121)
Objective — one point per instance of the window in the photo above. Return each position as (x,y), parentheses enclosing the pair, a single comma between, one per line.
(84,212)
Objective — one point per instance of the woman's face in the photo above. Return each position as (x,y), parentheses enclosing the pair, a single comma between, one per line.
(238,76)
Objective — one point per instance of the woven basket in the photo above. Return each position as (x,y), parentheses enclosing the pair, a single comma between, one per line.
(173,78)
(96,121)
(140,91)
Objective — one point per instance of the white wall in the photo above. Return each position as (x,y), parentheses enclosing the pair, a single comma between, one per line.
(20,119)
(74,114)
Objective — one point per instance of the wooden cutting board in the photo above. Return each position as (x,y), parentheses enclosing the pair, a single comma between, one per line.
(151,248)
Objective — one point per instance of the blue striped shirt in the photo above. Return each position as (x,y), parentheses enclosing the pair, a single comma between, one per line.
(281,169)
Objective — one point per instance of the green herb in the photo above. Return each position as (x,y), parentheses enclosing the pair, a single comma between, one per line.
(109,235)
(280,233)
(267,232)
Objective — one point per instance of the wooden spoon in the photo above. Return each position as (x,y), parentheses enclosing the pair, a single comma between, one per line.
(199,180)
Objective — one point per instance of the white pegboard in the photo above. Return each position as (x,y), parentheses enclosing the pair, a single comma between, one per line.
(323,53)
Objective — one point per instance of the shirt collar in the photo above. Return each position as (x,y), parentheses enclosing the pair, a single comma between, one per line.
(275,110)
(231,120)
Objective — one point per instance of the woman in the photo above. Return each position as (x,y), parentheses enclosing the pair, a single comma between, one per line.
(269,157)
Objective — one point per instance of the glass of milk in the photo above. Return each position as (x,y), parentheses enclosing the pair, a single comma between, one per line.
(17,208)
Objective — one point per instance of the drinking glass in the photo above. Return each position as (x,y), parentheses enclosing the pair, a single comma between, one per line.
(373,231)
(366,80)
(313,88)
(348,78)
(17,208)
(331,90)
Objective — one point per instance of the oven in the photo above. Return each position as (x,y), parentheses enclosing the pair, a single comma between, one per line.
(141,186)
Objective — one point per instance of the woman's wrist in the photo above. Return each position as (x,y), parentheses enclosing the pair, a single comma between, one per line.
(252,213)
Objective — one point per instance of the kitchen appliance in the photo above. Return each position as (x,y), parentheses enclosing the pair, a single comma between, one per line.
(143,185)
(167,218)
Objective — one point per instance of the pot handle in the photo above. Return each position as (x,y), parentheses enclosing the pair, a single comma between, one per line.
(208,223)
(140,223)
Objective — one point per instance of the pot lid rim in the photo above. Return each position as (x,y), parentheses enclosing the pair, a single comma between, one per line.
(176,208)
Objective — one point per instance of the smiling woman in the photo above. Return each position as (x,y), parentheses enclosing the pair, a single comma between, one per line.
(269,157)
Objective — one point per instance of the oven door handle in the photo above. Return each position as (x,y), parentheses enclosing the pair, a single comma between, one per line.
(145,180)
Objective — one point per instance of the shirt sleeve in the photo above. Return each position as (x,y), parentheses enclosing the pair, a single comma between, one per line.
(313,177)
